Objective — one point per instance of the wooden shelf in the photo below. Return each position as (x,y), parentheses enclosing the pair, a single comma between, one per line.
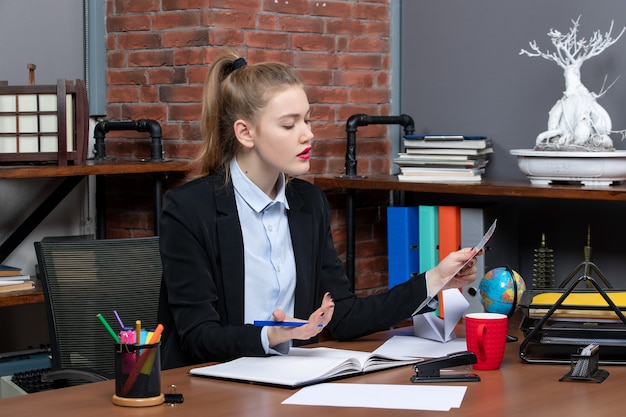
(488,187)
(108,166)
(14,298)
(91,167)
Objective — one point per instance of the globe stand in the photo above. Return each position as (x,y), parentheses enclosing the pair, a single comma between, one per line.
(510,337)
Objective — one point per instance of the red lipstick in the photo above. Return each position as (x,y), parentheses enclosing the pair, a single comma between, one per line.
(305,154)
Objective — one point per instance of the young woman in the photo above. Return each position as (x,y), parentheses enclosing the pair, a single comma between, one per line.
(246,241)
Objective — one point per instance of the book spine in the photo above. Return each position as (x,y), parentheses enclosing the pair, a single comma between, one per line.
(402,244)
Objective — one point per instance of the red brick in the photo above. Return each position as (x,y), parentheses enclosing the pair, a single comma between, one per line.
(189,56)
(186,150)
(139,40)
(356,78)
(346,27)
(183,4)
(373,95)
(167,75)
(227,37)
(267,40)
(362,61)
(185,38)
(151,111)
(176,19)
(371,11)
(123,94)
(128,23)
(136,6)
(180,94)
(149,94)
(368,45)
(188,112)
(332,8)
(252,5)
(156,58)
(317,60)
(229,19)
(296,7)
(267,22)
(313,43)
(116,60)
(126,77)
(289,23)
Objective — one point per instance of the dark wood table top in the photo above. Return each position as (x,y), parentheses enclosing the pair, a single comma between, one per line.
(516,389)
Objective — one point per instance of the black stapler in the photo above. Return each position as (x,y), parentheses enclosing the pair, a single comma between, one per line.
(430,370)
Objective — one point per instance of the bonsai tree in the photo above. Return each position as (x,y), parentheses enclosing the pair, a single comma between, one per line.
(576,122)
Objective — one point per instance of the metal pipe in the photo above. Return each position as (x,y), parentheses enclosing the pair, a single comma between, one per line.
(352,125)
(144,125)
(357,120)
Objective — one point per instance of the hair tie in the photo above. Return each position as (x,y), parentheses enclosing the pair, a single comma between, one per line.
(237,63)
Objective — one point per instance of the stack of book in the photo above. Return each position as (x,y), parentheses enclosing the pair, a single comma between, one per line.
(11,279)
(443,158)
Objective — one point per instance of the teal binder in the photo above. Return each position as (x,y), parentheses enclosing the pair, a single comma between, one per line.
(402,244)
(428,237)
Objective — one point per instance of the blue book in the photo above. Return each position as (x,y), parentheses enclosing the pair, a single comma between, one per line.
(402,244)
(9,271)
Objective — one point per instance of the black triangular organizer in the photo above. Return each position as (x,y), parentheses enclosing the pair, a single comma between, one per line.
(555,341)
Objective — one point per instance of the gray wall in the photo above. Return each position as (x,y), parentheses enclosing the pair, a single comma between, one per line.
(462,72)
(46,33)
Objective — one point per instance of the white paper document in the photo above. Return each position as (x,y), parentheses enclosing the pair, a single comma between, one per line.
(431,326)
(417,346)
(404,397)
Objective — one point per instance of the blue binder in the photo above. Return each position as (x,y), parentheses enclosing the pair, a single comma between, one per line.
(402,244)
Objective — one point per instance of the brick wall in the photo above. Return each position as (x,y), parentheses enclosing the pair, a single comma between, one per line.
(159,52)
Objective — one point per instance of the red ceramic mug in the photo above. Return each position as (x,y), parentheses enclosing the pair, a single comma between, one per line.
(485,334)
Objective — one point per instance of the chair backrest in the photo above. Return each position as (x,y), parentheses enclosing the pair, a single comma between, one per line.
(82,278)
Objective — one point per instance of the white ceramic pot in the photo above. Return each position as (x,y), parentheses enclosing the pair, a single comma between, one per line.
(588,168)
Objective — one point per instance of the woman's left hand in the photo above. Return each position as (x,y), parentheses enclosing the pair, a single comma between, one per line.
(316,323)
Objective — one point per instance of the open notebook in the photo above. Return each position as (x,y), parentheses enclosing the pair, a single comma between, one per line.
(306,366)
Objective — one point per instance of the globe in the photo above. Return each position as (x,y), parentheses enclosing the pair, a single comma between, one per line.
(498,290)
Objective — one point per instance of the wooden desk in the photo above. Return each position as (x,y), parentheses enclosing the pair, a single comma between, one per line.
(517,389)
(73,175)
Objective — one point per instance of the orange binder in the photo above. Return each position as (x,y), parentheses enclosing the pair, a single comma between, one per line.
(449,238)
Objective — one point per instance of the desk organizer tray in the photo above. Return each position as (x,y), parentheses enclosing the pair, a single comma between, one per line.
(557,322)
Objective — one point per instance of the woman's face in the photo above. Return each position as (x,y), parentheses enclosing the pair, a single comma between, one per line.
(282,134)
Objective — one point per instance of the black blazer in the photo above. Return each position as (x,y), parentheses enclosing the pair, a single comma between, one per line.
(202,293)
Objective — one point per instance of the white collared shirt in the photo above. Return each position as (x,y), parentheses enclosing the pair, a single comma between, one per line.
(269,263)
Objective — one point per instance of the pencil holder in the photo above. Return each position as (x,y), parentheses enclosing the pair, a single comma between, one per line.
(585,368)
(138,375)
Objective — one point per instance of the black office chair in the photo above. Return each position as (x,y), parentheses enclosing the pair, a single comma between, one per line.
(82,278)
